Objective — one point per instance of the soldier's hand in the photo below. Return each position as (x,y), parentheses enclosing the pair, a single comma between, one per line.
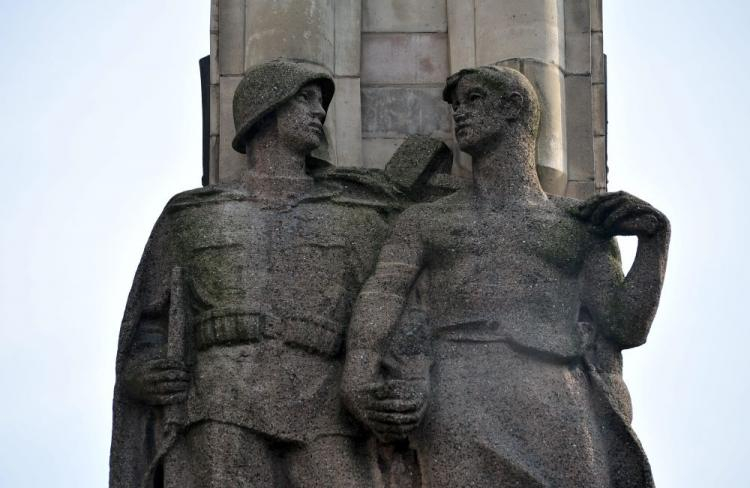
(621,214)
(390,409)
(157,381)
(398,407)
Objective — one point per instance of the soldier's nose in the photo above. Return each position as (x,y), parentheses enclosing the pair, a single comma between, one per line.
(319,112)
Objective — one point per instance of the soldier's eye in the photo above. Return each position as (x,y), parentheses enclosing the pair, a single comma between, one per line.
(475,96)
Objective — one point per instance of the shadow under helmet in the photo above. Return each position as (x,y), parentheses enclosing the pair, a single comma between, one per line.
(267,86)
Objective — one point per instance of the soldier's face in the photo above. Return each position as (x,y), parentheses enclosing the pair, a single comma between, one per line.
(300,120)
(477,113)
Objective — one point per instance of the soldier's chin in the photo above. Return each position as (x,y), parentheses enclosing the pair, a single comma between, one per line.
(311,141)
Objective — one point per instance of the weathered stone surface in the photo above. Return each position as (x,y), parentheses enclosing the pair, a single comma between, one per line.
(580,190)
(400,111)
(461,164)
(599,108)
(461,34)
(214,41)
(597,58)
(577,36)
(596,16)
(214,110)
(231,163)
(580,134)
(404,58)
(348,122)
(260,277)
(300,29)
(230,366)
(336,40)
(600,158)
(268,85)
(213,148)
(533,32)
(578,54)
(327,150)
(417,160)
(231,37)
(525,309)
(519,29)
(377,151)
(577,14)
(231,345)
(214,20)
(348,37)
(551,156)
(404,16)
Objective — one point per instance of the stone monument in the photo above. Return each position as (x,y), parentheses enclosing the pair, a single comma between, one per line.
(528,311)
(390,59)
(392,286)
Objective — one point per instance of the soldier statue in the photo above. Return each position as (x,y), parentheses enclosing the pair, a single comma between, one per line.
(231,347)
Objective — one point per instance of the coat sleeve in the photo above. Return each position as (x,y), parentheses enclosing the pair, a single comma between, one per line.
(135,427)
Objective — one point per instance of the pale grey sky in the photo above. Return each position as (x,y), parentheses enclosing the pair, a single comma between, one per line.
(100,125)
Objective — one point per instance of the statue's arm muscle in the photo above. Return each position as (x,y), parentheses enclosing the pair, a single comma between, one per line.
(623,307)
(381,301)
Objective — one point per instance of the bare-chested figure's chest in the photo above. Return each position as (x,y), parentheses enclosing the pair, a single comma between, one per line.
(515,267)
(504,243)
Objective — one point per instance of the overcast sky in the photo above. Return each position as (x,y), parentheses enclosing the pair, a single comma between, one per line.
(100,124)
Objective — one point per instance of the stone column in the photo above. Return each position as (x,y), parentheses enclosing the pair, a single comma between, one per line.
(404,67)
(586,93)
(214,105)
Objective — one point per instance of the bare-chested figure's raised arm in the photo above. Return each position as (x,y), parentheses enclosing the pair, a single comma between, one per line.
(388,408)
(622,306)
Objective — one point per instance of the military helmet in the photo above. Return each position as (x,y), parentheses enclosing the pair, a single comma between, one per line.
(267,86)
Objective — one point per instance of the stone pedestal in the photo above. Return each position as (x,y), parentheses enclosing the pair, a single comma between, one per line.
(390,59)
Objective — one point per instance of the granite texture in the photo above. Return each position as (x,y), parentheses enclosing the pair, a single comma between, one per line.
(321,326)
(399,51)
(526,311)
(232,343)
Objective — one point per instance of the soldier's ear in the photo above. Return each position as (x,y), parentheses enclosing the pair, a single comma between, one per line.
(513,105)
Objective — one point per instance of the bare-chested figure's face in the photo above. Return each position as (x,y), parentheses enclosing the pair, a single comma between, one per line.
(478,114)
(299,121)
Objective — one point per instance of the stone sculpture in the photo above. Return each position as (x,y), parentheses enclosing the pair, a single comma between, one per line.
(483,349)
(229,360)
(528,309)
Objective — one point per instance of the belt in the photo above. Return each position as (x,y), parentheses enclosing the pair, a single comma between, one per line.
(231,326)
(566,343)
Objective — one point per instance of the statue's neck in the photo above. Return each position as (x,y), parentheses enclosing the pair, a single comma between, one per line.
(269,157)
(274,169)
(506,174)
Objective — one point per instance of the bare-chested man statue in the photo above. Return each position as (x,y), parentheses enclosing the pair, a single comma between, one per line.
(528,310)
